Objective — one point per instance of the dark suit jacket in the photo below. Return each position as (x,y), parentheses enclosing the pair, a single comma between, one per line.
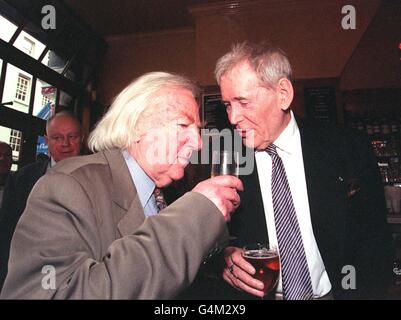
(350,229)
(16,192)
(84,218)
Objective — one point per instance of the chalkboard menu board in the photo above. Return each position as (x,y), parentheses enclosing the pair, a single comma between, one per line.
(320,103)
(214,112)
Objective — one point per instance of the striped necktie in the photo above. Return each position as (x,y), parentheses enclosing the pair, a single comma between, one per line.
(297,284)
(160,201)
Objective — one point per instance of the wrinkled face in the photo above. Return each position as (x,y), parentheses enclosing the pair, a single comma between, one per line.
(257,111)
(64,138)
(170,133)
(6,158)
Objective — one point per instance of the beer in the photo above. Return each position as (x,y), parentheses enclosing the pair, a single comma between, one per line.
(267,265)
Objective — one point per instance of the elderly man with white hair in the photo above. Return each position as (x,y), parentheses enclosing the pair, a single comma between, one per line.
(91,228)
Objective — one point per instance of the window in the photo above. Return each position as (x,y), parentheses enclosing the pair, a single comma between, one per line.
(23,84)
(30,89)
(54,61)
(28,46)
(66,101)
(17,89)
(45,100)
(15,140)
(13,137)
(7,29)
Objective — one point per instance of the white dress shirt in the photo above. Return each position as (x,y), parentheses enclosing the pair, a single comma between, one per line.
(290,151)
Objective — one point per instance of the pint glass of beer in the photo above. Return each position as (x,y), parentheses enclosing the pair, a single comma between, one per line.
(265,259)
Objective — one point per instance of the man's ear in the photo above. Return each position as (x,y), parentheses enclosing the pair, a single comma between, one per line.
(46,139)
(286,93)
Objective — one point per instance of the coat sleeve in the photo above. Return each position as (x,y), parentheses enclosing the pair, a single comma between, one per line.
(55,252)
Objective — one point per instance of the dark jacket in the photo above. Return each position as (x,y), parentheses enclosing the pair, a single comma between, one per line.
(347,208)
(16,192)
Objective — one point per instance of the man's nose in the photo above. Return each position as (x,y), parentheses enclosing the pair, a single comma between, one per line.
(234,115)
(194,140)
(66,141)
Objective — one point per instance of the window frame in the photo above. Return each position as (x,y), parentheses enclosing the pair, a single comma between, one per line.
(26,87)
(72,40)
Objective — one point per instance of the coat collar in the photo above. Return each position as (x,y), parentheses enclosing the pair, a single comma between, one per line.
(124,194)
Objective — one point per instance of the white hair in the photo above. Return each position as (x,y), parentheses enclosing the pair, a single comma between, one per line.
(118,126)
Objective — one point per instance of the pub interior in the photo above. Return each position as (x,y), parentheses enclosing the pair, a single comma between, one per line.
(77,55)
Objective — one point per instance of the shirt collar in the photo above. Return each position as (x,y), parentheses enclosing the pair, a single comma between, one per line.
(51,163)
(144,185)
(287,140)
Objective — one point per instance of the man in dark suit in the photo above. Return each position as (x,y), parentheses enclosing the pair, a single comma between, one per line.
(6,160)
(95,227)
(64,139)
(315,192)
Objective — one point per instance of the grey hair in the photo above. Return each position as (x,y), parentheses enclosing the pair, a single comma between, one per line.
(118,126)
(269,63)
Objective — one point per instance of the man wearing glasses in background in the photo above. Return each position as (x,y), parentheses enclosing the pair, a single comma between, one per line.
(64,140)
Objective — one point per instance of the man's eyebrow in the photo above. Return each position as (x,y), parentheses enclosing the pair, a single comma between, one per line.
(240,98)
(236,98)
(188,116)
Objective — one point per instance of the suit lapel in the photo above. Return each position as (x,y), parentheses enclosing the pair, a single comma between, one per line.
(44,167)
(129,212)
(132,219)
(249,223)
